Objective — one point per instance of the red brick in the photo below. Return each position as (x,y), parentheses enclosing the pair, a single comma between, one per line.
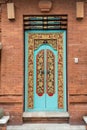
(12,58)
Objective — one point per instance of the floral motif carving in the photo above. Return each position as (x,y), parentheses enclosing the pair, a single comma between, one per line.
(50,73)
(51,42)
(60,72)
(40,73)
(30,74)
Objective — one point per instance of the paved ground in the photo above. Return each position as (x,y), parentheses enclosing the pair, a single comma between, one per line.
(46,127)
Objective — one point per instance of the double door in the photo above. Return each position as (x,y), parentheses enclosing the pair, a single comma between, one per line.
(45,70)
(45,78)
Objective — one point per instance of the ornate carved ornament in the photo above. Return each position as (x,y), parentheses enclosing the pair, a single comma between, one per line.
(45,5)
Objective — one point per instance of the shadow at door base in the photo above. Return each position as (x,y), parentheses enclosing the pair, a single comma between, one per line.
(45,119)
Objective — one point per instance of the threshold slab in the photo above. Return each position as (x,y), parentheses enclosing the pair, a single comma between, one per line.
(46,127)
(46,114)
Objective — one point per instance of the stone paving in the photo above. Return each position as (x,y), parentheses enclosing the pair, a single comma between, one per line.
(46,127)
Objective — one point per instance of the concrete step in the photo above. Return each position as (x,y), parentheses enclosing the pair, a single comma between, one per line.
(46,127)
(46,117)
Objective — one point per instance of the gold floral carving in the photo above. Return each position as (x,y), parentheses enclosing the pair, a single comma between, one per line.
(30,74)
(51,42)
(50,73)
(60,72)
(40,73)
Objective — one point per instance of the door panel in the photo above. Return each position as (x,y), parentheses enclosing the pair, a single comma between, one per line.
(52,80)
(45,82)
(39,81)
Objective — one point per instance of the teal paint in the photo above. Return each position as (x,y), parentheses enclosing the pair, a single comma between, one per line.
(26,71)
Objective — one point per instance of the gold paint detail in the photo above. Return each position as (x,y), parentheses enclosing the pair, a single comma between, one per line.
(30,73)
(60,72)
(40,73)
(51,42)
(50,73)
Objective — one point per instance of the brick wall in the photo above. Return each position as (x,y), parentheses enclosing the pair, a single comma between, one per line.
(12,59)
(3,127)
(0,50)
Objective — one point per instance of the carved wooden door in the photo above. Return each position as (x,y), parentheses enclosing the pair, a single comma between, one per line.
(45,70)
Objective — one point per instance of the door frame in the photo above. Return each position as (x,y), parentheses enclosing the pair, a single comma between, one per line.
(26,67)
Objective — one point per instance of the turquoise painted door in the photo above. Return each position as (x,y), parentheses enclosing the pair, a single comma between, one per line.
(45,70)
(45,78)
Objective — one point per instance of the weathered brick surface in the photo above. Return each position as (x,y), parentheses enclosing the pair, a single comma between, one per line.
(12,58)
(3,127)
(86,127)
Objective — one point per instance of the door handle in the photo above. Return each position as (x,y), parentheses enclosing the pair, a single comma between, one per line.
(48,72)
(42,72)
